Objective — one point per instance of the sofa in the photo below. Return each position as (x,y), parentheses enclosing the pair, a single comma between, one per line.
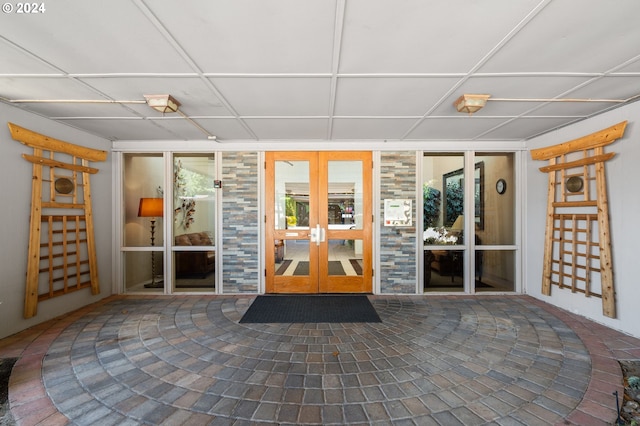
(194,263)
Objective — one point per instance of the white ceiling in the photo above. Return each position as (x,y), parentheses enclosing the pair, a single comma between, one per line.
(321,69)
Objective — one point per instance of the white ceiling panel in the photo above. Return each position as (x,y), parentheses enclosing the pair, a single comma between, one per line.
(248,36)
(93,37)
(371,128)
(225,128)
(567,110)
(610,87)
(17,61)
(287,129)
(66,110)
(454,128)
(45,88)
(632,67)
(571,36)
(321,69)
(389,96)
(409,36)
(524,127)
(134,129)
(276,96)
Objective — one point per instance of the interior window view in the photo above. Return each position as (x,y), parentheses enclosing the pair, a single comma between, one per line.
(143,229)
(447,254)
(193,205)
(194,222)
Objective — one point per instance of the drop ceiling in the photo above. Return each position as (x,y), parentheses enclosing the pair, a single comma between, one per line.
(316,70)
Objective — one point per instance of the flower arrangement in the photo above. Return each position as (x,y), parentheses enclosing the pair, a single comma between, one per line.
(439,236)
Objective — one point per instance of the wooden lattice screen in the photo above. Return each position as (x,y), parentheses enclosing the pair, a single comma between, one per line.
(577,240)
(62,256)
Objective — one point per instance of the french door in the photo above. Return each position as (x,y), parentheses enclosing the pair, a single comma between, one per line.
(318,222)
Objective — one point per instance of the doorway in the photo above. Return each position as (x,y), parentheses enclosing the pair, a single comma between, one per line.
(318,222)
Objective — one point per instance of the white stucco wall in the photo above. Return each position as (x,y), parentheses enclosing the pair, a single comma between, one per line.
(622,175)
(15,175)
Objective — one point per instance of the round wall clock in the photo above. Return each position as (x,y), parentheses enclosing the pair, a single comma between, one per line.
(501,186)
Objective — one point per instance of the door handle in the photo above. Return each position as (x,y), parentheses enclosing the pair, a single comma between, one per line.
(317,235)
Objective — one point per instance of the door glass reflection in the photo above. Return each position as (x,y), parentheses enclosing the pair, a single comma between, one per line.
(345,257)
(345,194)
(291,194)
(291,257)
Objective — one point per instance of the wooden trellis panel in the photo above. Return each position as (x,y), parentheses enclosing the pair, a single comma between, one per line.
(62,255)
(577,238)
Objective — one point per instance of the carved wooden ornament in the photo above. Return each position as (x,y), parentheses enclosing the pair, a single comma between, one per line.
(577,238)
(62,255)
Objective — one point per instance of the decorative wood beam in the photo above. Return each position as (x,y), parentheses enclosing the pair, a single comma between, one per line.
(59,164)
(36,140)
(600,138)
(577,163)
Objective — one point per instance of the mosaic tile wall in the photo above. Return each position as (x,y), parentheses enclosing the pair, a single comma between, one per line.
(398,245)
(240,239)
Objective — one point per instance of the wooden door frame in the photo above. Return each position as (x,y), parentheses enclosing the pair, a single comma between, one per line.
(319,214)
(349,283)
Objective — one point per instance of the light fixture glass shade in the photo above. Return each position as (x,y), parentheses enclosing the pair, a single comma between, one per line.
(150,207)
(471,103)
(162,103)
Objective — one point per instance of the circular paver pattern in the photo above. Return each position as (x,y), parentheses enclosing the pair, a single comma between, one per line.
(436,360)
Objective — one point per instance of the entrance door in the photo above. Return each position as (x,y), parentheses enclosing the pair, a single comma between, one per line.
(318,222)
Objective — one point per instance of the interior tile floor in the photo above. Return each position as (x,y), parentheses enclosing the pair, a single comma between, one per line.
(437,360)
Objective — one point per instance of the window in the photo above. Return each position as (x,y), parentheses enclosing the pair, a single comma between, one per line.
(452,261)
(143,219)
(169,206)
(194,222)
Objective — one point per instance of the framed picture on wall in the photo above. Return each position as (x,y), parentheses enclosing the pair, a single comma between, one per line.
(453,195)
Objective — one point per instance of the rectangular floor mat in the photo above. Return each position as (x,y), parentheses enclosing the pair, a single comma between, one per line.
(310,309)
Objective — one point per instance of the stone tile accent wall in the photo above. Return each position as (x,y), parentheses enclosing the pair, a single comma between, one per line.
(240,237)
(398,245)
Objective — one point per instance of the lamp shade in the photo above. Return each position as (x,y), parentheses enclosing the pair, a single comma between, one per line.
(150,207)
(458,225)
(471,103)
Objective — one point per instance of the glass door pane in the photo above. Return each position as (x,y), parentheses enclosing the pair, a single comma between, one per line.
(292,222)
(143,218)
(443,221)
(344,201)
(292,192)
(345,212)
(317,238)
(194,222)
(499,199)
(495,269)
